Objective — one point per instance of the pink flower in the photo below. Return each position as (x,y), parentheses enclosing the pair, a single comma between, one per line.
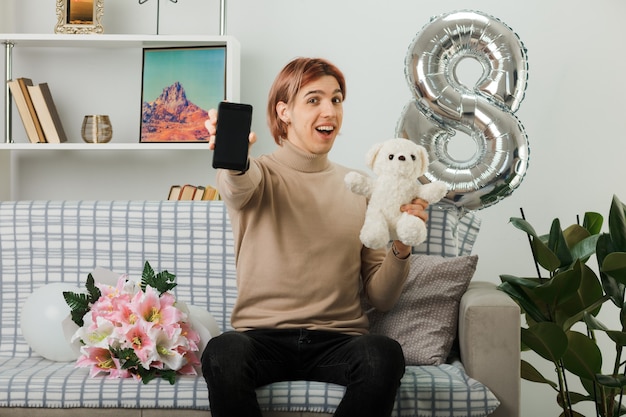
(101,360)
(113,300)
(167,349)
(111,292)
(159,311)
(138,339)
(193,338)
(99,334)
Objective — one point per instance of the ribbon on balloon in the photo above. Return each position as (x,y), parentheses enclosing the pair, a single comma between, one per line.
(443,105)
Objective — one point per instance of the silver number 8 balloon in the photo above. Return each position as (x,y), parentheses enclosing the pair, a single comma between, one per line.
(444,105)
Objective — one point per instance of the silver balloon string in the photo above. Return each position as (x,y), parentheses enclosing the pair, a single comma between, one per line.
(158,6)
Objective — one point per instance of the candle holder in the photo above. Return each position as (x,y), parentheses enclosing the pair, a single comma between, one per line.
(96,128)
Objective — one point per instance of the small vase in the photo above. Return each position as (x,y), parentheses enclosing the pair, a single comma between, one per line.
(97,128)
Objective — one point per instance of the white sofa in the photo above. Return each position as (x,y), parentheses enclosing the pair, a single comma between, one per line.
(42,242)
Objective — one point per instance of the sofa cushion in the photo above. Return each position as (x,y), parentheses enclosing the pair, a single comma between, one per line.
(450,233)
(425,318)
(22,385)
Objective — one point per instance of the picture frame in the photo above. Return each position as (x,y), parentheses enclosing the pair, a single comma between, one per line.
(178,87)
(79,16)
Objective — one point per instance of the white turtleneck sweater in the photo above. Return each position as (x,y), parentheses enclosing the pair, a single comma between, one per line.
(300,263)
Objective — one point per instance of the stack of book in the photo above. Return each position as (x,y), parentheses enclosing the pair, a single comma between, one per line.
(193,192)
(37,110)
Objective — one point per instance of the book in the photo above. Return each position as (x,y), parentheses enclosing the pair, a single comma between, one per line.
(24,84)
(188,192)
(193,192)
(199,193)
(26,110)
(174,193)
(211,193)
(47,113)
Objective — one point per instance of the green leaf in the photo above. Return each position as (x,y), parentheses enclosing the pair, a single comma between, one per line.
(76,300)
(618,337)
(92,290)
(146,375)
(585,248)
(161,282)
(547,339)
(558,245)
(576,398)
(575,234)
(147,276)
(80,303)
(541,253)
(618,381)
(127,356)
(617,224)
(573,398)
(614,265)
(169,375)
(530,373)
(524,226)
(613,288)
(545,256)
(520,281)
(588,293)
(527,305)
(582,357)
(593,222)
(593,323)
(79,306)
(560,287)
(591,309)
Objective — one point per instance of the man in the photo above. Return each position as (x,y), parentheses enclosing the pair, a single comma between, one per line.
(300,265)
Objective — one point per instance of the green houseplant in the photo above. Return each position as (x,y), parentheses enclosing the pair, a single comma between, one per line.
(562,303)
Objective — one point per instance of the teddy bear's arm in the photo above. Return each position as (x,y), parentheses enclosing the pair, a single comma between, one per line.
(358,183)
(433,192)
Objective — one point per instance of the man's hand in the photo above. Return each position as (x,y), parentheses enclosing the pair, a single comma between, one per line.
(416,208)
(211,126)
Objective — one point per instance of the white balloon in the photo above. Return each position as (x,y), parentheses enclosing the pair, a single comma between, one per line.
(41,322)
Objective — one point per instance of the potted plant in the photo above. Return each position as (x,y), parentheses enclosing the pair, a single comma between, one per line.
(561,304)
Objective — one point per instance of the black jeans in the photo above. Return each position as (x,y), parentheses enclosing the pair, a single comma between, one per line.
(234,364)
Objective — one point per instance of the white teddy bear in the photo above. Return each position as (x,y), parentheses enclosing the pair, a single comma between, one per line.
(398,163)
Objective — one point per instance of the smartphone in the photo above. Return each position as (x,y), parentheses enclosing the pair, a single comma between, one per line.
(231,137)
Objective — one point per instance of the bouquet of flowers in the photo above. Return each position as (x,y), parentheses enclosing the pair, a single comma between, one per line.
(134,330)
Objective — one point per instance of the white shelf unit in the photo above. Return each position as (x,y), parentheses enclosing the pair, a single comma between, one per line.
(98,74)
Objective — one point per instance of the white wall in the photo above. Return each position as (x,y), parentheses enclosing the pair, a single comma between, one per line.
(573,111)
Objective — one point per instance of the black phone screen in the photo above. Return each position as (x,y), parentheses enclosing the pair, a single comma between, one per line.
(231,138)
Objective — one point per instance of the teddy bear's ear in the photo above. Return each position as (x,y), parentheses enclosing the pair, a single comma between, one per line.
(370,157)
(423,155)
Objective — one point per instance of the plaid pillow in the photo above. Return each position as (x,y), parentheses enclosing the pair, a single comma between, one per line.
(448,233)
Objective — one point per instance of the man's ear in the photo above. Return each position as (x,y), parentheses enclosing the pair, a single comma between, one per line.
(282,111)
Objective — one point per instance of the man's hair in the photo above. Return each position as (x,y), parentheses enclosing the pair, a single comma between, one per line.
(296,74)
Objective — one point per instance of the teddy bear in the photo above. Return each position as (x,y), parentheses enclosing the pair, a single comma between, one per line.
(397,163)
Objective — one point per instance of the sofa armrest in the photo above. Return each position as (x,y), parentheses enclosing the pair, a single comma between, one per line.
(489,339)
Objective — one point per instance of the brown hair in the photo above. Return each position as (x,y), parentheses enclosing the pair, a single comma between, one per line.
(296,74)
